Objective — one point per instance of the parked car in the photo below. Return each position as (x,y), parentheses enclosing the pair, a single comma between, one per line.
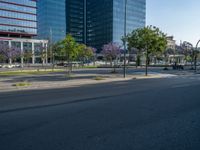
(17,66)
(11,66)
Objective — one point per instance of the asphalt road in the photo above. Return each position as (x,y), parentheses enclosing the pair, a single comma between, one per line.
(153,114)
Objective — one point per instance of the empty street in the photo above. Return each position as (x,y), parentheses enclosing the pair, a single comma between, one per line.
(128,115)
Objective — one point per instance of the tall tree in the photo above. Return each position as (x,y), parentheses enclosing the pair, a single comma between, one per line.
(149,40)
(188,51)
(9,53)
(27,55)
(57,51)
(43,54)
(69,48)
(134,51)
(111,51)
(85,53)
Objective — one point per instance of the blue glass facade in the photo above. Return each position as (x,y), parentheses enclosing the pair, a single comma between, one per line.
(99,22)
(136,17)
(18,18)
(75,14)
(94,23)
(51,19)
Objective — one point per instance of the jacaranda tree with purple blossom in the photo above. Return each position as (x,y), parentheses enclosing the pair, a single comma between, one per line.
(3,47)
(111,51)
(9,53)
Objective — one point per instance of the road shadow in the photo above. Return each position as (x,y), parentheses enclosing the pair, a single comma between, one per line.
(95,92)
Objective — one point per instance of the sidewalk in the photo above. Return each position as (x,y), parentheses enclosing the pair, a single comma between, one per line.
(59,80)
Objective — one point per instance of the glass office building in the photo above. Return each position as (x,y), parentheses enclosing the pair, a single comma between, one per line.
(90,22)
(18,18)
(94,23)
(135,18)
(99,22)
(18,28)
(51,19)
(75,14)
(28,45)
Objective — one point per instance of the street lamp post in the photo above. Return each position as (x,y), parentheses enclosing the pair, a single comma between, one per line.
(51,48)
(189,46)
(196,56)
(125,15)
(50,45)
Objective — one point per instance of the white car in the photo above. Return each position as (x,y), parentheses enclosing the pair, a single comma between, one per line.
(8,66)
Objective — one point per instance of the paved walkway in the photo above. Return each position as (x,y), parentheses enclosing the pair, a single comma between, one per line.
(60,80)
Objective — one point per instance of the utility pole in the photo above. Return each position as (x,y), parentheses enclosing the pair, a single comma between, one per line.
(196,56)
(50,48)
(125,17)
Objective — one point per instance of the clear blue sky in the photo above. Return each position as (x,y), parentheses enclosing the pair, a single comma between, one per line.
(180,18)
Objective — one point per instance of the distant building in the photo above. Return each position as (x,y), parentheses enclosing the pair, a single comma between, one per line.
(51,19)
(18,27)
(18,18)
(171,43)
(91,22)
(76,19)
(28,45)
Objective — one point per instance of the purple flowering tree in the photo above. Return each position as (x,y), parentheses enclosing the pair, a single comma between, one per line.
(111,51)
(94,50)
(3,48)
(9,53)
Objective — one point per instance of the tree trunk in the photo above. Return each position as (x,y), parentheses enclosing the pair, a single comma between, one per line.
(111,63)
(138,61)
(147,60)
(22,62)
(10,61)
(94,61)
(195,63)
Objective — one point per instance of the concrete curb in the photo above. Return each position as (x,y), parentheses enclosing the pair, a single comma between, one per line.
(77,82)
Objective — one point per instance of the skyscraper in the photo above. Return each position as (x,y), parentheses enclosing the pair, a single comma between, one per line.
(51,19)
(99,23)
(18,27)
(18,18)
(91,22)
(75,19)
(135,18)
(106,20)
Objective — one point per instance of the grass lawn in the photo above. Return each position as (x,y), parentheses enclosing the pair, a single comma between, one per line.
(99,78)
(22,84)
(29,72)
(38,72)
